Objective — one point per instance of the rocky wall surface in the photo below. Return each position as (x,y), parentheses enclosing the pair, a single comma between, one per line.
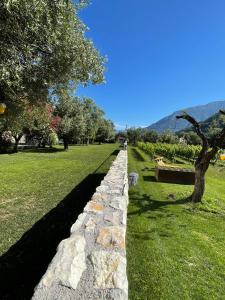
(91,263)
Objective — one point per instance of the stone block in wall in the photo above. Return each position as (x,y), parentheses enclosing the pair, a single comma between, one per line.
(109,270)
(67,266)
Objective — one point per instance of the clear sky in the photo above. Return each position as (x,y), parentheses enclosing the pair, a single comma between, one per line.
(163,55)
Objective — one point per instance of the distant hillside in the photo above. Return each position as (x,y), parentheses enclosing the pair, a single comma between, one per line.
(210,125)
(200,113)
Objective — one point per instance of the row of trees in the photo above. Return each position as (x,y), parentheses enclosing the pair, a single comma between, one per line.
(81,120)
(135,135)
(73,119)
(44,56)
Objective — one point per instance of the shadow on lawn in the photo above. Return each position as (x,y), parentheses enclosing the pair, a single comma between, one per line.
(146,204)
(149,178)
(151,234)
(23,265)
(137,155)
(49,149)
(148,169)
(42,150)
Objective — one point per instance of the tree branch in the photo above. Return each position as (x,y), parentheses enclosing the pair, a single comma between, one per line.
(197,128)
(222,112)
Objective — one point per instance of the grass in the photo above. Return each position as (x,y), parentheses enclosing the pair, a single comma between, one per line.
(32,183)
(175,250)
(42,193)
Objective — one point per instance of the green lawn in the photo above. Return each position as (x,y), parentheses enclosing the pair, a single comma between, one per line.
(33,183)
(175,250)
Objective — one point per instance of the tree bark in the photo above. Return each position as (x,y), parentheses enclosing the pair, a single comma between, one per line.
(199,188)
(201,166)
(65,143)
(15,148)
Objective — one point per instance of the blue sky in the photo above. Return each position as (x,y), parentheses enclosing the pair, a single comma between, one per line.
(163,55)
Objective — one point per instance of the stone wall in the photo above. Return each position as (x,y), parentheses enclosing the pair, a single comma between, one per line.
(91,263)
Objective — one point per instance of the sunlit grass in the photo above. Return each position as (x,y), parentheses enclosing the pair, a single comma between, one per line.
(175,250)
(32,183)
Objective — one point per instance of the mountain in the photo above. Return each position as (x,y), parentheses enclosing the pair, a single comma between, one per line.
(209,126)
(200,113)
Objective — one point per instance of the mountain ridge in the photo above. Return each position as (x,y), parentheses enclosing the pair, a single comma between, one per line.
(214,123)
(199,112)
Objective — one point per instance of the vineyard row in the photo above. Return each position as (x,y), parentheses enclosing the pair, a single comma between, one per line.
(170,151)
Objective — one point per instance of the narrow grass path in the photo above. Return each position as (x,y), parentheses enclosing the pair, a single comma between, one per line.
(175,250)
(42,195)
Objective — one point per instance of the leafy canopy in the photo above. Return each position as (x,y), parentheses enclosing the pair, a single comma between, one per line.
(42,44)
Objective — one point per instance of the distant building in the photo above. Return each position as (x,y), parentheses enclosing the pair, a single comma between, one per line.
(121,139)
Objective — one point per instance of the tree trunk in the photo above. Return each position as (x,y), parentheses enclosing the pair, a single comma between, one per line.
(17,139)
(209,149)
(199,189)
(15,148)
(65,143)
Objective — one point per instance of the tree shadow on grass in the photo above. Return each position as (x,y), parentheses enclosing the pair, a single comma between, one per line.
(52,150)
(115,152)
(145,203)
(23,265)
(41,150)
(33,150)
(151,234)
(137,155)
(149,178)
(145,169)
(178,162)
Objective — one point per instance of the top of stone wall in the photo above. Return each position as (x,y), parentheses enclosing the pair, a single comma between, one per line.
(91,263)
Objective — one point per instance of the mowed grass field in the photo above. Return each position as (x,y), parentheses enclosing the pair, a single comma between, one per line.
(33,183)
(175,250)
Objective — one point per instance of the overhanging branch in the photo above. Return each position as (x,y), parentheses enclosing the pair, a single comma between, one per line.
(197,128)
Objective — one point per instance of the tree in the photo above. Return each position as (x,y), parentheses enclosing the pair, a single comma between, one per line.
(5,140)
(32,120)
(81,120)
(15,122)
(43,44)
(92,116)
(192,138)
(210,147)
(150,136)
(189,136)
(215,126)
(168,137)
(67,109)
(134,134)
(106,131)
(53,139)
(40,125)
